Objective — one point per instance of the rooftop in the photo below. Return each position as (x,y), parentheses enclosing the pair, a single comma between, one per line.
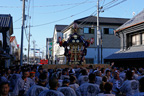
(102,20)
(139,18)
(6,23)
(60,27)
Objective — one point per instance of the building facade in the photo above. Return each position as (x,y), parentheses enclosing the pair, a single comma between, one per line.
(6,30)
(131,36)
(109,42)
(57,51)
(49,49)
(14,50)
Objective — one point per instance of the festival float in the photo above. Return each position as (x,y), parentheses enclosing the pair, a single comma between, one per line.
(75,48)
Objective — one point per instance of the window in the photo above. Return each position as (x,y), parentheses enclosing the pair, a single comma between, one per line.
(143,38)
(109,31)
(88,30)
(136,39)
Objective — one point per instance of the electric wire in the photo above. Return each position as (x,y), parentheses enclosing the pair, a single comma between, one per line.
(95,12)
(101,10)
(17,20)
(109,3)
(69,4)
(61,19)
(57,11)
(103,2)
(114,5)
(78,13)
(84,21)
(64,18)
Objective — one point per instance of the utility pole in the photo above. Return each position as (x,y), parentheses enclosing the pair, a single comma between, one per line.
(22,29)
(98,33)
(101,49)
(28,44)
(34,49)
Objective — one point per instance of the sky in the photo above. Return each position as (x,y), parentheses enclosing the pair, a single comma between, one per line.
(45,14)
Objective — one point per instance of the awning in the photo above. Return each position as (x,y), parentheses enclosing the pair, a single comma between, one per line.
(126,55)
(6,23)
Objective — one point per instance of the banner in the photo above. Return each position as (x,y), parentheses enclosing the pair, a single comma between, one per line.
(43,61)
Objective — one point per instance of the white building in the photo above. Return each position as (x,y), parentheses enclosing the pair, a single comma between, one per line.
(57,51)
(13,43)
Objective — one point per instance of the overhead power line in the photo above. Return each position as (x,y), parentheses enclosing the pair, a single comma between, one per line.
(65,17)
(61,19)
(69,4)
(62,9)
(17,20)
(101,10)
(108,7)
(84,21)
(114,5)
(109,3)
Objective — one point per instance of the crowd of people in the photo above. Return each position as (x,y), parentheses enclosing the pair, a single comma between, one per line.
(32,80)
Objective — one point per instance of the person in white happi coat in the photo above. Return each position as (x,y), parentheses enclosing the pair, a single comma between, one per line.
(135,75)
(22,84)
(130,86)
(141,88)
(73,83)
(107,90)
(98,77)
(122,73)
(14,78)
(117,82)
(58,75)
(64,74)
(102,72)
(53,83)
(83,78)
(108,75)
(65,89)
(8,74)
(3,77)
(41,86)
(32,76)
(88,89)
